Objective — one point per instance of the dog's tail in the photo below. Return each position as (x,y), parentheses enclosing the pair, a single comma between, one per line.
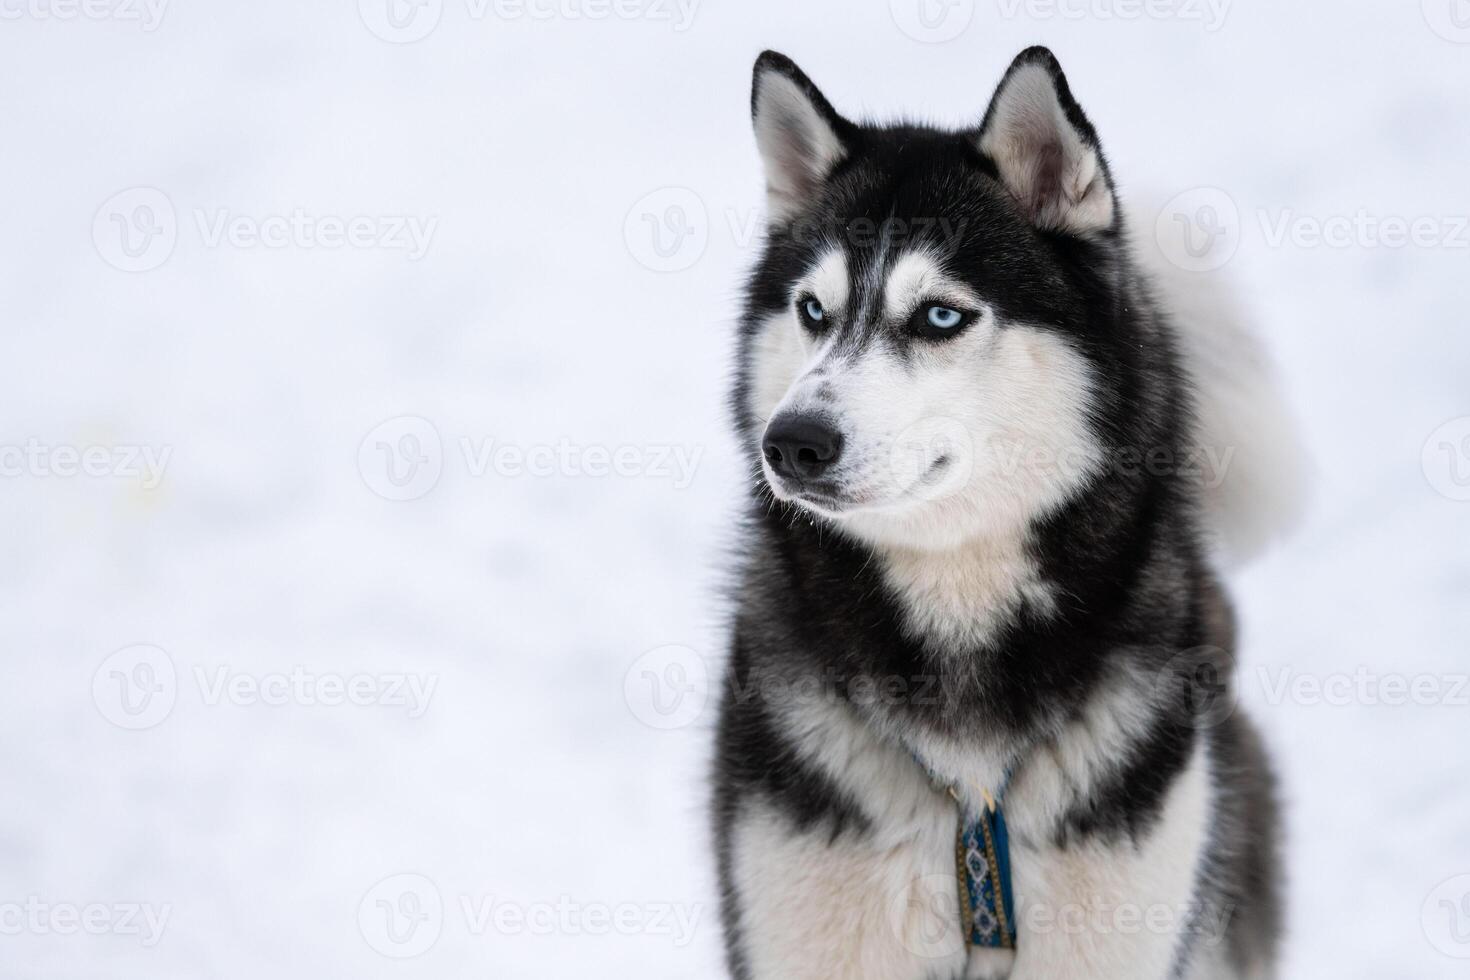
(1255,468)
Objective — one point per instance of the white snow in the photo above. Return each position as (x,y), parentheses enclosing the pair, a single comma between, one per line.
(560,833)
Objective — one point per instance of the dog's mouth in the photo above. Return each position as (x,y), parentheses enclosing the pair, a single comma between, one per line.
(829,498)
(823,496)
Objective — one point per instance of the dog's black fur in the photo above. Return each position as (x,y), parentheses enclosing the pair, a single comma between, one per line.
(1125,553)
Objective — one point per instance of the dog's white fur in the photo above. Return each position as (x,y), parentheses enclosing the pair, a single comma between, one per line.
(883,903)
(1155,876)
(1244,423)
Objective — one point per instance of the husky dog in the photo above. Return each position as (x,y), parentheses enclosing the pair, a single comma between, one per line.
(979,567)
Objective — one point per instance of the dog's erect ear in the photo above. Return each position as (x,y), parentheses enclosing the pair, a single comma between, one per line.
(1046,150)
(801,137)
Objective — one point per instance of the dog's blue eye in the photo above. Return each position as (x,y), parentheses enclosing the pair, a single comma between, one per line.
(935,321)
(813,310)
(944,318)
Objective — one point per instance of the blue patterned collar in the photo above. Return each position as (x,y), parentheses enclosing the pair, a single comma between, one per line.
(982,867)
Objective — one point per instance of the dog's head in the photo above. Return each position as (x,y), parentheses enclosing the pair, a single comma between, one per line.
(917,366)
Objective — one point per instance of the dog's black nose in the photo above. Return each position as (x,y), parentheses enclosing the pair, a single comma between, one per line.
(801,447)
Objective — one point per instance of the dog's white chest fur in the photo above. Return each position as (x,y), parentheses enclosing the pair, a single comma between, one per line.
(877,902)
(957,599)
(882,900)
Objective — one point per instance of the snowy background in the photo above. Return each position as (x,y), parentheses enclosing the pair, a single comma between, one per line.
(366,483)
